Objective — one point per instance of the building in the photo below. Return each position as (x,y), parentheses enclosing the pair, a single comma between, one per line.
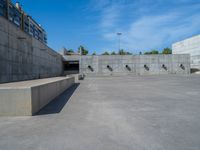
(36,30)
(189,46)
(16,15)
(3,8)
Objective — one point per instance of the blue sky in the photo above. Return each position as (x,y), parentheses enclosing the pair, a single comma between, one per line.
(145,24)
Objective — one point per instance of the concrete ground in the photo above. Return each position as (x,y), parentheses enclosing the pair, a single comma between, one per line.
(116,113)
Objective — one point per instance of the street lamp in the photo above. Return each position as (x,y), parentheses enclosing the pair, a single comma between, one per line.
(80,62)
(119,35)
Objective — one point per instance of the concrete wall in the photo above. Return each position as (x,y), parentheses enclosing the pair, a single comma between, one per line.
(23,57)
(43,94)
(26,98)
(71,57)
(135,65)
(189,46)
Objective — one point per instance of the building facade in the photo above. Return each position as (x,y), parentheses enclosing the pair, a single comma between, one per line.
(189,46)
(16,15)
(3,8)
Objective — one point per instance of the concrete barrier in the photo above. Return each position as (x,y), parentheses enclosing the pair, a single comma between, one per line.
(135,65)
(77,77)
(28,97)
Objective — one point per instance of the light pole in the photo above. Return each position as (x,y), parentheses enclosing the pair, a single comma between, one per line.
(80,62)
(119,35)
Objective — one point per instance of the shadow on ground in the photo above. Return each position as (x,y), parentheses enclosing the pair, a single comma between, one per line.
(59,102)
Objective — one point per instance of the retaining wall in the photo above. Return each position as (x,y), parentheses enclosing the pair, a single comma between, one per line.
(135,65)
(22,57)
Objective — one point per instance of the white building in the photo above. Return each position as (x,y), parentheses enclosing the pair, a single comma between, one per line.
(189,46)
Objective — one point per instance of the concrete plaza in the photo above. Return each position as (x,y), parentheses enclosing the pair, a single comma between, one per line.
(113,113)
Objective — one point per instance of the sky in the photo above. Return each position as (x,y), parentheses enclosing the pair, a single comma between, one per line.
(145,24)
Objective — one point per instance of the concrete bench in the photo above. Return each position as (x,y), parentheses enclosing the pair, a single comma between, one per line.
(28,97)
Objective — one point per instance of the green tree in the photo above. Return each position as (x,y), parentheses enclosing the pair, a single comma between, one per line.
(122,52)
(94,53)
(84,51)
(147,53)
(105,53)
(167,51)
(154,52)
(113,53)
(70,51)
(128,53)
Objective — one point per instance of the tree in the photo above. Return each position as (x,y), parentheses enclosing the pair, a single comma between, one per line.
(147,53)
(152,52)
(70,51)
(113,53)
(167,51)
(122,52)
(84,51)
(94,53)
(128,53)
(105,53)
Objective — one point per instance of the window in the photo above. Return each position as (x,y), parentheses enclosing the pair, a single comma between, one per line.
(3,8)
(31,29)
(14,15)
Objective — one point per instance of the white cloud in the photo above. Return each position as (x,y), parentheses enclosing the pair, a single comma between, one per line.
(110,17)
(155,31)
(148,24)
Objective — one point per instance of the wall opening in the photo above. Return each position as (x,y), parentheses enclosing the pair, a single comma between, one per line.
(71,67)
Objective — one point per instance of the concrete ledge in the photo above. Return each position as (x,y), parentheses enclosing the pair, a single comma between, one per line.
(28,97)
(76,76)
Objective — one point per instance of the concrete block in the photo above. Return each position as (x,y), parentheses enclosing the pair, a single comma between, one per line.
(28,97)
(15,102)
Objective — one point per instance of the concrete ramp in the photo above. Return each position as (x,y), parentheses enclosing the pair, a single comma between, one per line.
(28,97)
